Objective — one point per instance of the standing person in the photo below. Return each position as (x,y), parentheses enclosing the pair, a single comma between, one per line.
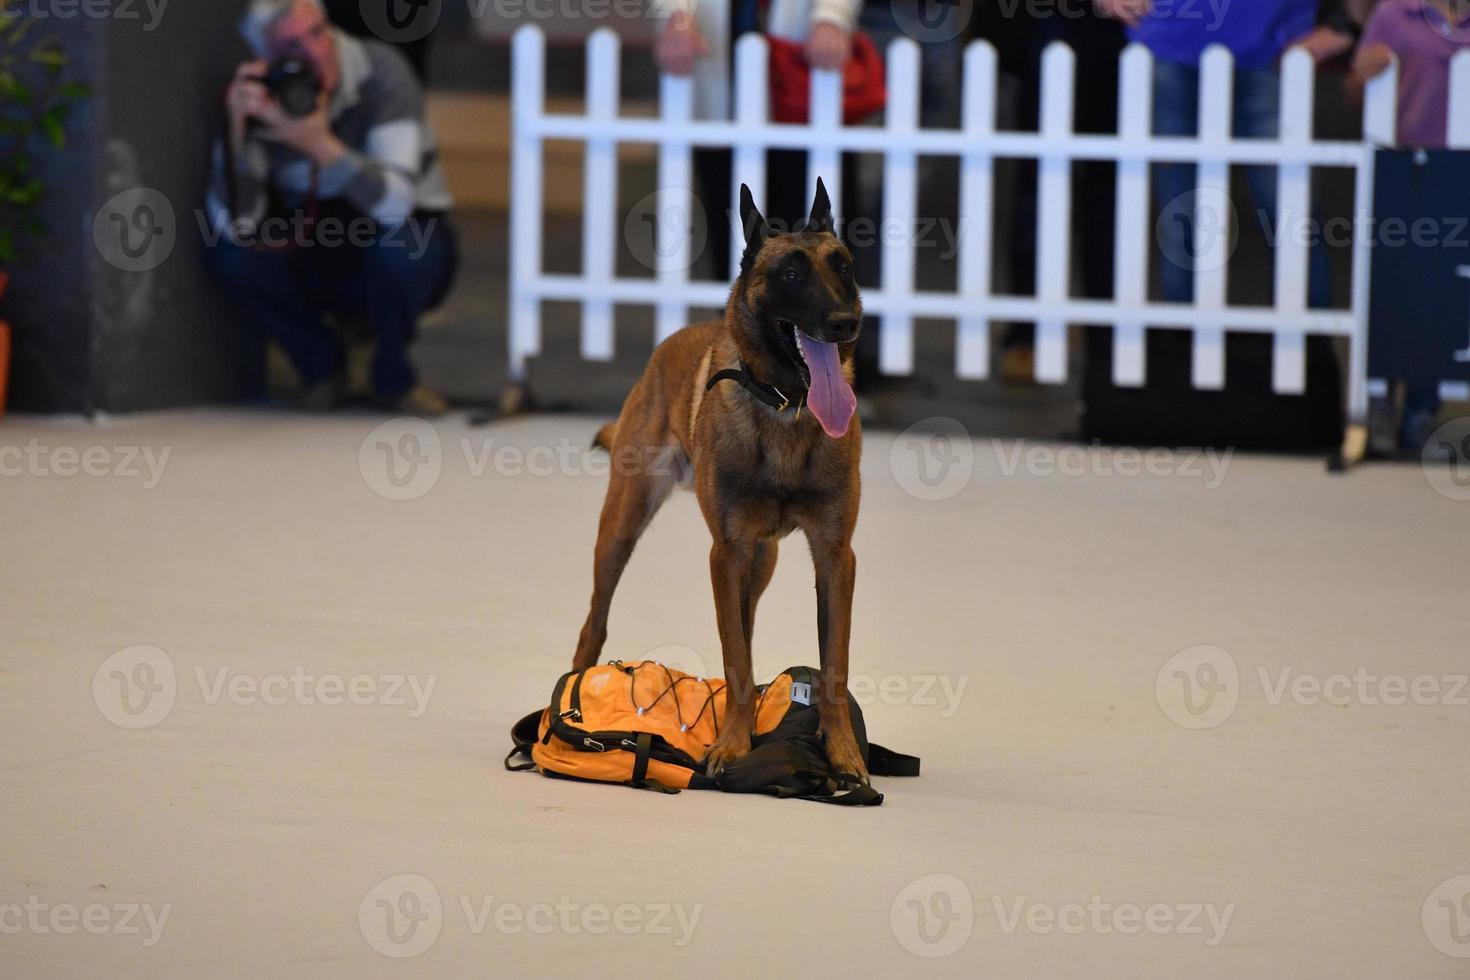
(362,156)
(698,39)
(1423,35)
(1257,35)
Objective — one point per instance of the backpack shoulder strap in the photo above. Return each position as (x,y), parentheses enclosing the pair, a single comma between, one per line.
(883,761)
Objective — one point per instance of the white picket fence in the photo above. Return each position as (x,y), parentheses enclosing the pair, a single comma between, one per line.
(977,144)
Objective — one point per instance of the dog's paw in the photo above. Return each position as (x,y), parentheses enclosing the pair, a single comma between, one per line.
(725,751)
(843,753)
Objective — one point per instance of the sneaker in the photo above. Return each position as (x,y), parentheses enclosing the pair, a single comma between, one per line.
(324,396)
(1018,365)
(421,401)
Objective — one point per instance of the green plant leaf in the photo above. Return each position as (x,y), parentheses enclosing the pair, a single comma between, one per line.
(51,123)
(74,91)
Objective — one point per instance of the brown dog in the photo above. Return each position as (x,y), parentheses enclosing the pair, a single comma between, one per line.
(758,410)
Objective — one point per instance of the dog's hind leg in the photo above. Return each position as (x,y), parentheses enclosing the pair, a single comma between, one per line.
(641,478)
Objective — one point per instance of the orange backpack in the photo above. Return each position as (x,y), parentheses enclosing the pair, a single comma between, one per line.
(646,725)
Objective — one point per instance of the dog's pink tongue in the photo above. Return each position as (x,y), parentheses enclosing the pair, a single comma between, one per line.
(830,397)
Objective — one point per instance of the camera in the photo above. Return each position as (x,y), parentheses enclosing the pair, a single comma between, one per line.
(294,86)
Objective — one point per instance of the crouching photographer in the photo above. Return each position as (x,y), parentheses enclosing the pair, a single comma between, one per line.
(328,200)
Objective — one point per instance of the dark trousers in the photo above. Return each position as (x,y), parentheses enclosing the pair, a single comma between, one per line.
(390,283)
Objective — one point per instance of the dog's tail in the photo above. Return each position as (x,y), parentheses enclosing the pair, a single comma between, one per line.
(604,437)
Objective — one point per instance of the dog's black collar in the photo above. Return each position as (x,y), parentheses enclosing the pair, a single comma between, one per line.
(769,394)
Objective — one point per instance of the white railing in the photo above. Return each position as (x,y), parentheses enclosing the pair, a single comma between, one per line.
(977,144)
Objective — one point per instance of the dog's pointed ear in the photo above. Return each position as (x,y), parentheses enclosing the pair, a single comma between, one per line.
(756,229)
(820,219)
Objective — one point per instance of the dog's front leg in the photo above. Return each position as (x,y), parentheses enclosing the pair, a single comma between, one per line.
(731,565)
(836,568)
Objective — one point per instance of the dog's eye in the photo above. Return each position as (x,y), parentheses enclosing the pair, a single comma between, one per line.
(793,276)
(845,272)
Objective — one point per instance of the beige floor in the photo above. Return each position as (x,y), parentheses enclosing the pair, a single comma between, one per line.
(1013,632)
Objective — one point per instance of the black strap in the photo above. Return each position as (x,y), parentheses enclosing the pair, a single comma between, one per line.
(643,749)
(769,394)
(523,735)
(884,761)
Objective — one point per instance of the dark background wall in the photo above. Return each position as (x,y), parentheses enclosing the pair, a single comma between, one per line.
(90,335)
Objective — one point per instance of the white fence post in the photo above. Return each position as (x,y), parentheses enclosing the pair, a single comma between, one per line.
(675,206)
(1131,251)
(528,100)
(1293,225)
(1212,210)
(900,207)
(752,85)
(825,158)
(1457,130)
(977,183)
(1379,124)
(1054,211)
(600,184)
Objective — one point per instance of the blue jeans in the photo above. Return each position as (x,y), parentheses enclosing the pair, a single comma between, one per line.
(390,282)
(1256,108)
